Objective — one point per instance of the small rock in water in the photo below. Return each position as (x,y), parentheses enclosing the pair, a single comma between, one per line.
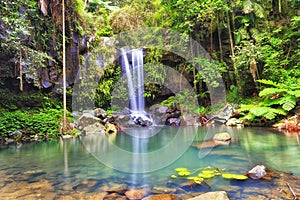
(257,172)
(218,195)
(161,197)
(135,194)
(222,137)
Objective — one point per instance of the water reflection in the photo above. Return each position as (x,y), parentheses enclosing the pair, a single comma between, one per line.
(141,150)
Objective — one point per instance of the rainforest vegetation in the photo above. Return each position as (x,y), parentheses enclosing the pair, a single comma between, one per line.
(254,43)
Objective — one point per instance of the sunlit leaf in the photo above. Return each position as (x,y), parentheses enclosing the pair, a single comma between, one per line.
(181,169)
(184,173)
(235,176)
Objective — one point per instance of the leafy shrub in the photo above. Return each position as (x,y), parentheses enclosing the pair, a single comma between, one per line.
(279,99)
(42,122)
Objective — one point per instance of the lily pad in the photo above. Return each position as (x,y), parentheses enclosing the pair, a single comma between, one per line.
(207,176)
(181,169)
(196,179)
(235,176)
(173,176)
(184,173)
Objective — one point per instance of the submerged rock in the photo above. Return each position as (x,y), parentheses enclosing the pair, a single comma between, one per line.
(218,195)
(161,197)
(135,194)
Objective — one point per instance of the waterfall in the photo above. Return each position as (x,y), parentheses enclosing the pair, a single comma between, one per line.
(132,67)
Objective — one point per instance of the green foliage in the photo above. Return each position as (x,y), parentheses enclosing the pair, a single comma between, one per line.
(234,96)
(279,99)
(205,173)
(44,122)
(32,100)
(26,35)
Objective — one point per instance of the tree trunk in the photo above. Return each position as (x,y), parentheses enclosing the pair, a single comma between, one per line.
(230,35)
(64,124)
(219,37)
(21,72)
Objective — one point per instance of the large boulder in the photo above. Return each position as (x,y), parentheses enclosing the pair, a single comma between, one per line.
(94,129)
(87,119)
(158,114)
(218,195)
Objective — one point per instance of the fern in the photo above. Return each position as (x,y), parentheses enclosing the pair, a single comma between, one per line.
(295,93)
(269,82)
(271,91)
(261,111)
(276,100)
(288,102)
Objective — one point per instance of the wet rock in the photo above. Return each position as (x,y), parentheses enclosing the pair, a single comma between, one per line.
(161,197)
(218,195)
(158,114)
(164,190)
(234,122)
(117,188)
(141,120)
(135,194)
(114,196)
(23,190)
(257,172)
(223,137)
(94,129)
(110,129)
(100,113)
(223,115)
(173,122)
(190,120)
(87,119)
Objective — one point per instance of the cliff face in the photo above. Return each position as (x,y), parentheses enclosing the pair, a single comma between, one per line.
(34,48)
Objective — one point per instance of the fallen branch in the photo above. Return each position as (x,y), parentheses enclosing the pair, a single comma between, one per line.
(292,191)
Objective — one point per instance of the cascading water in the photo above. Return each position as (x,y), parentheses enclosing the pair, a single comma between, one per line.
(132,64)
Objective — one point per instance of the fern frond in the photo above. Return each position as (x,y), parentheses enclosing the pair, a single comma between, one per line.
(247,107)
(288,102)
(270,102)
(249,117)
(261,111)
(267,112)
(271,91)
(295,93)
(269,82)
(258,111)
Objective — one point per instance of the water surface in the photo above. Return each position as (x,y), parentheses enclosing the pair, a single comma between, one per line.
(143,158)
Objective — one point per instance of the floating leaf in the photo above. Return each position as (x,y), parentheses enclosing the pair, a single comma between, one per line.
(207,174)
(173,176)
(196,179)
(181,169)
(184,173)
(235,176)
